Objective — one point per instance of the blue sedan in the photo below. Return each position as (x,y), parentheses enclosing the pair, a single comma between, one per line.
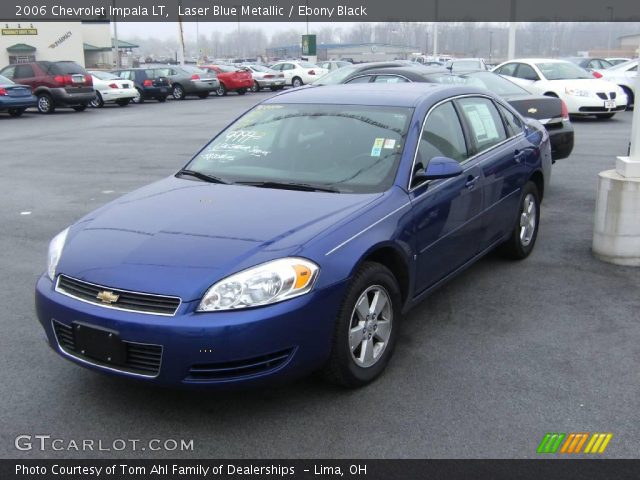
(15,98)
(297,238)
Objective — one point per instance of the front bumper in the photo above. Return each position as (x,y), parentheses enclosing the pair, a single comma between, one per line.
(208,349)
(593,105)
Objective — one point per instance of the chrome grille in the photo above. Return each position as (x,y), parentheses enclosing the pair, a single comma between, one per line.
(126,300)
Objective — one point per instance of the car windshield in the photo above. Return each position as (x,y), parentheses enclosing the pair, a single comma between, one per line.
(5,81)
(105,75)
(337,76)
(347,148)
(490,81)
(228,68)
(190,69)
(259,68)
(624,66)
(562,71)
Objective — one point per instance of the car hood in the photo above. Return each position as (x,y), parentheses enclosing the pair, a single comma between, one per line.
(535,106)
(590,84)
(179,236)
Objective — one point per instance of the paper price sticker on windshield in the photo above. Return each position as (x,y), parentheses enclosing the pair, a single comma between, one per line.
(377,147)
(389,143)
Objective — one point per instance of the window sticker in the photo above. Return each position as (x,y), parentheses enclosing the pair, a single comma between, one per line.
(482,122)
(389,143)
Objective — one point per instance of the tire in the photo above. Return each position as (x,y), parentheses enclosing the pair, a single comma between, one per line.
(296,82)
(161,99)
(348,364)
(97,101)
(124,102)
(221,91)
(16,112)
(524,234)
(178,92)
(203,95)
(255,87)
(242,91)
(45,103)
(630,99)
(605,116)
(139,98)
(80,108)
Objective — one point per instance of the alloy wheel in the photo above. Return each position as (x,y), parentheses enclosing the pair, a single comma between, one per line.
(370,327)
(528,219)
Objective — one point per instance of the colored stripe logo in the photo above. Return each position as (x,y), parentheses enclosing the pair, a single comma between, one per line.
(574,442)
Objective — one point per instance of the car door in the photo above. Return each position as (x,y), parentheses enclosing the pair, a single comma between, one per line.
(527,78)
(447,212)
(25,75)
(288,69)
(498,144)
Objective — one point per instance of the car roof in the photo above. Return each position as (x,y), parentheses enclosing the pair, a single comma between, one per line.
(383,94)
(537,60)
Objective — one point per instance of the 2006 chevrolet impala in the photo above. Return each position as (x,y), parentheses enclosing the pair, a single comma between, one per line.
(295,240)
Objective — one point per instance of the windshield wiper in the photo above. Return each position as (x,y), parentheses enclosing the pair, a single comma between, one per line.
(305,187)
(205,177)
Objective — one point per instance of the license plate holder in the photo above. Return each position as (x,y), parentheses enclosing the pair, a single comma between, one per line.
(100,344)
(610,104)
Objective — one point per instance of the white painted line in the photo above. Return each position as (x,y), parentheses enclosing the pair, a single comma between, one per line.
(25,213)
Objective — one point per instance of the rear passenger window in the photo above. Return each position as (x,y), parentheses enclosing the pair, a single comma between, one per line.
(526,72)
(484,121)
(514,125)
(508,69)
(23,71)
(442,136)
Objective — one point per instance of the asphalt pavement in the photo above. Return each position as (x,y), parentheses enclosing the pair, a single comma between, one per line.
(483,368)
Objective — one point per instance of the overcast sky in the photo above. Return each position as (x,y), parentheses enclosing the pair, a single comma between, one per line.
(160,29)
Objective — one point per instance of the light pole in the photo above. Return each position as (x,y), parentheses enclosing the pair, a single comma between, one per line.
(609,32)
(115,36)
(490,44)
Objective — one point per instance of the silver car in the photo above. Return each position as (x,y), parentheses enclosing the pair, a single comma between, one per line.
(188,80)
(264,77)
(334,64)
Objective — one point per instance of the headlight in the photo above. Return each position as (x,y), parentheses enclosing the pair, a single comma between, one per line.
(55,250)
(264,284)
(576,92)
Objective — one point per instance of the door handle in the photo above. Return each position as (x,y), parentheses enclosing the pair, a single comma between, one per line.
(518,155)
(471,182)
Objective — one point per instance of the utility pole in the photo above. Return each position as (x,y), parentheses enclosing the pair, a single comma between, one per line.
(115,37)
(490,44)
(511,46)
(609,30)
(435,31)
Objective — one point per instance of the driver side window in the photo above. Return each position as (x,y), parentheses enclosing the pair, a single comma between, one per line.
(442,136)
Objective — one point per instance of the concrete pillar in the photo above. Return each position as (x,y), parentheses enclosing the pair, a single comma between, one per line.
(616,232)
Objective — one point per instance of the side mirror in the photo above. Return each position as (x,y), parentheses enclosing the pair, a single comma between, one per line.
(438,167)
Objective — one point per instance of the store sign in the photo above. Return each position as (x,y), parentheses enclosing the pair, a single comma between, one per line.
(61,40)
(19,31)
(309,45)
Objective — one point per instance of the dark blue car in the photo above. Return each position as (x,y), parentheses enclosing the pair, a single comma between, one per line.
(297,238)
(15,98)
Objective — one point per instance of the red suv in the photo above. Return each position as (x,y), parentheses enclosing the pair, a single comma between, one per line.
(56,84)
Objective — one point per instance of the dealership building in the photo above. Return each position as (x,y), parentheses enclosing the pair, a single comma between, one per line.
(87,43)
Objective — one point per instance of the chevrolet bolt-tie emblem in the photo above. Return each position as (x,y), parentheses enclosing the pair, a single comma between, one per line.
(107,297)
(532,110)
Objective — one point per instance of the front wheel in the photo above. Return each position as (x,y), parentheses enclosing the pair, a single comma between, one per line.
(16,112)
(296,82)
(366,328)
(525,232)
(138,98)
(255,87)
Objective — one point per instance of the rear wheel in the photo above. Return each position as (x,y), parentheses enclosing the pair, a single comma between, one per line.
(178,92)
(366,327)
(45,103)
(16,112)
(525,231)
(80,108)
(97,101)
(255,87)
(242,91)
(138,98)
(296,82)
(221,91)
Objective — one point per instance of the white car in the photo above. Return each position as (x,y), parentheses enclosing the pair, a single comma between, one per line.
(111,88)
(624,75)
(297,72)
(582,93)
(617,60)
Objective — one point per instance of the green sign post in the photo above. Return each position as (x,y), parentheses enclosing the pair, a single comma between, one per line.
(309,45)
